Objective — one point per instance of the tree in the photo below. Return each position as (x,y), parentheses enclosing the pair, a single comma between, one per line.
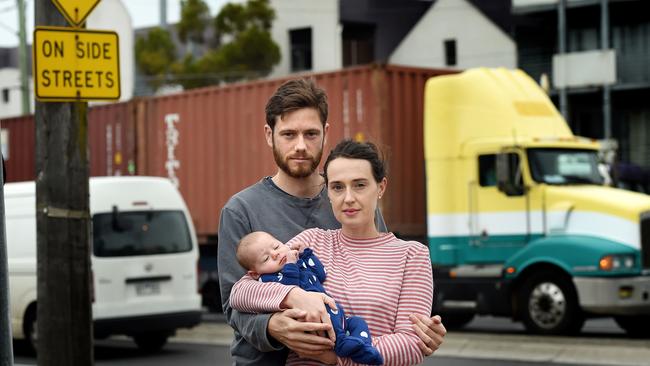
(245,49)
(195,17)
(155,55)
(242,47)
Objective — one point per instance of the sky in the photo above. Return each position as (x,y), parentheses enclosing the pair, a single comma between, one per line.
(143,13)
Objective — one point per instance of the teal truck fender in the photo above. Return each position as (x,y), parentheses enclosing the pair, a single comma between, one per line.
(576,255)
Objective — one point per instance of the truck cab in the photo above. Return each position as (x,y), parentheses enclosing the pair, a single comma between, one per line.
(519,222)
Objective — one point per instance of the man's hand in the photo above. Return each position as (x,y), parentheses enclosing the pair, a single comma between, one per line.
(289,328)
(431,332)
(313,303)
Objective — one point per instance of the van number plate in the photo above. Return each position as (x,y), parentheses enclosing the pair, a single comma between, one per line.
(147,288)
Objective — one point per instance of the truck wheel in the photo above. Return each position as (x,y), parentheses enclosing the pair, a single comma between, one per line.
(150,342)
(549,304)
(456,320)
(634,325)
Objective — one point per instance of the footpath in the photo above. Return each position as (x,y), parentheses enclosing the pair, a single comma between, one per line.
(565,350)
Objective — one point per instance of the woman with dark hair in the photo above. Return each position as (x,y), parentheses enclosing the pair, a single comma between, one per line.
(371,274)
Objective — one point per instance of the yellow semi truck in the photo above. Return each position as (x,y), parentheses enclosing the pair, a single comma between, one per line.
(519,223)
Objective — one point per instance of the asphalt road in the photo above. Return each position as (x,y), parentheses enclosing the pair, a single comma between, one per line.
(121,353)
(486,341)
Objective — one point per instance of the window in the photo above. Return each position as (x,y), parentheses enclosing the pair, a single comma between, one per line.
(564,166)
(487,170)
(5,96)
(450,52)
(300,49)
(358,44)
(130,233)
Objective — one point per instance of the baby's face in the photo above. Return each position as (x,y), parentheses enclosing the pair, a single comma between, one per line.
(271,255)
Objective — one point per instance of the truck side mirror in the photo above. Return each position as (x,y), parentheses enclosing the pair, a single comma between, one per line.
(509,180)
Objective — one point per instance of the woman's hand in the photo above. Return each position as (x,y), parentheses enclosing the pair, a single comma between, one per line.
(327,357)
(431,332)
(289,328)
(299,246)
(313,304)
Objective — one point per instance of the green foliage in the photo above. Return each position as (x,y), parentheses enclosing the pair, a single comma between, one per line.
(195,17)
(154,55)
(243,48)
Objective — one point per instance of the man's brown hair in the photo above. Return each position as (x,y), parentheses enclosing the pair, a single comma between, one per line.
(293,95)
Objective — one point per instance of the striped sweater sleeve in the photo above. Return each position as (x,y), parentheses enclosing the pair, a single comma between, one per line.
(401,347)
(251,296)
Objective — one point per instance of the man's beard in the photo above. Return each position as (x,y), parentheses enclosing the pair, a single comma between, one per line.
(300,171)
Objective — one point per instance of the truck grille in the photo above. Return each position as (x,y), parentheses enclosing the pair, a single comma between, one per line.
(645,240)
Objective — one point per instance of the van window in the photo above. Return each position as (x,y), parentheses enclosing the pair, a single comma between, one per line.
(119,234)
(487,170)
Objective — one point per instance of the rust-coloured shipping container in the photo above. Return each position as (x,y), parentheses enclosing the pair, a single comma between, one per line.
(18,149)
(211,142)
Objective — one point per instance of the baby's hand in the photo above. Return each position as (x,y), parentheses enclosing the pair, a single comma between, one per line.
(292,256)
(299,246)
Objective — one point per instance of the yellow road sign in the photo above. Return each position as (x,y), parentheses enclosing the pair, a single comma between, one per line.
(75,11)
(74,64)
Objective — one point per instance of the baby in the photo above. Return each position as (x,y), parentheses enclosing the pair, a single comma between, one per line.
(269,260)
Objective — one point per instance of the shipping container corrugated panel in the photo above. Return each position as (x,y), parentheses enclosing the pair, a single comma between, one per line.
(112,139)
(18,149)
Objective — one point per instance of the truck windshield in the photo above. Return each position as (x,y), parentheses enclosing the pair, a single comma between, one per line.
(120,233)
(564,166)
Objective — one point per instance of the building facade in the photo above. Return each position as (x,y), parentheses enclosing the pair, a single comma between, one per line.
(601,65)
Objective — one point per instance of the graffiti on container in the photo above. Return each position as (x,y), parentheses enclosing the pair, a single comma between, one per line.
(171,134)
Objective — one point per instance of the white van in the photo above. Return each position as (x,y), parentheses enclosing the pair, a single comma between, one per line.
(144,259)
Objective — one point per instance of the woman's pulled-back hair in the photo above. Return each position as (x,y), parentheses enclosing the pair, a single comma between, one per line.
(293,95)
(359,150)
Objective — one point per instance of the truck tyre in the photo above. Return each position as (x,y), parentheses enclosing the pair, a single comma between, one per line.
(150,341)
(548,304)
(456,320)
(634,325)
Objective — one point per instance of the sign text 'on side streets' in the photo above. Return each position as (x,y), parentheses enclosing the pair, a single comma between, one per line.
(76,64)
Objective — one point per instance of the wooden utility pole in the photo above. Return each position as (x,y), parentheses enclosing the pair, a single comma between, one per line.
(64,315)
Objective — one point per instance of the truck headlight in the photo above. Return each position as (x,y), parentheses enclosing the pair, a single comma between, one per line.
(616,262)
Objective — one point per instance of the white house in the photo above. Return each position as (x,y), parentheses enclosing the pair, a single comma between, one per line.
(10,93)
(455,34)
(308,34)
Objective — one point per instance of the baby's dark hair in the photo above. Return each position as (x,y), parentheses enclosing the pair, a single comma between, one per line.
(359,150)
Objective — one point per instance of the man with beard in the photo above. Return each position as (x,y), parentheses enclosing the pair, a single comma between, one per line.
(292,200)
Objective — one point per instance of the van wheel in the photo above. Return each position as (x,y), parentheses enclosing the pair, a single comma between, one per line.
(31,330)
(549,304)
(634,325)
(150,342)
